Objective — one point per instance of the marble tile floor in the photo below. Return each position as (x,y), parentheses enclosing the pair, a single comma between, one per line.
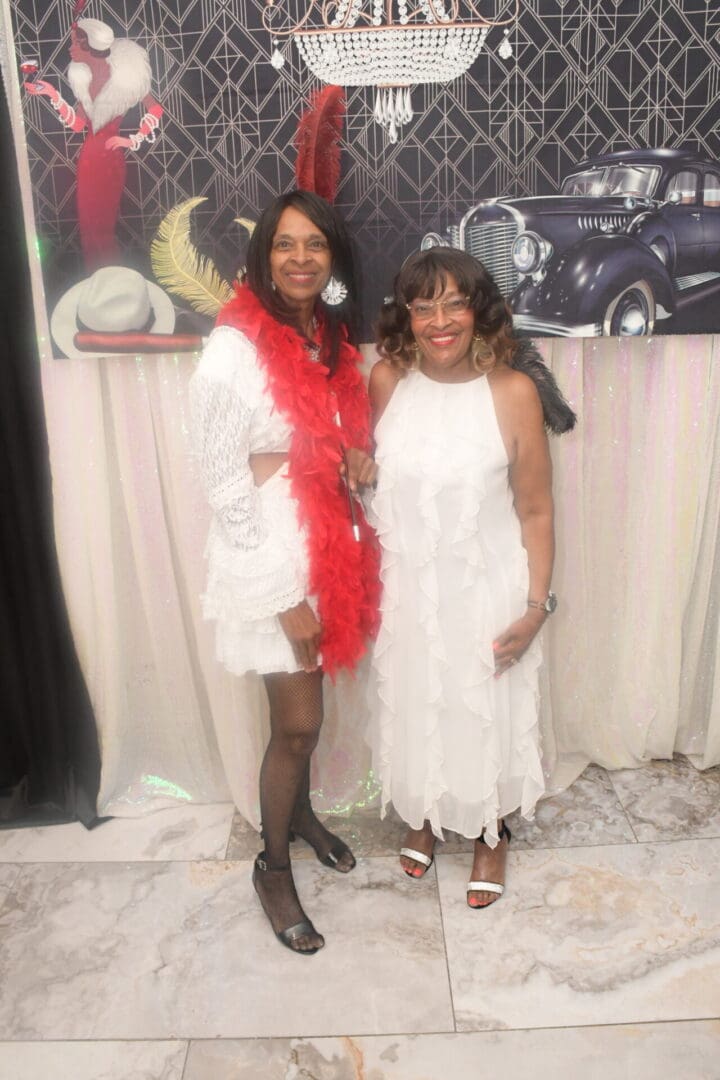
(138,951)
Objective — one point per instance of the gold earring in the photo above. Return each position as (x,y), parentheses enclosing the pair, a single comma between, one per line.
(480,351)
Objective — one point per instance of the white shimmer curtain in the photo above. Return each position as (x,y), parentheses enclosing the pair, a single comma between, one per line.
(632,668)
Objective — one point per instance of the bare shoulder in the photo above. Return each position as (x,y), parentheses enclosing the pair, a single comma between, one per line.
(516,398)
(384,377)
(518,409)
(383,380)
(513,389)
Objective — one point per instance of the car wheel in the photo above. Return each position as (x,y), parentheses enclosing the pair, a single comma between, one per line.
(631,313)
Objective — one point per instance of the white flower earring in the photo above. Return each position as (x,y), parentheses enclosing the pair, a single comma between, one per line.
(334,292)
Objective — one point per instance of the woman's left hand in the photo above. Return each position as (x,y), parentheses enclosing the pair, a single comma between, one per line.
(512,643)
(359,469)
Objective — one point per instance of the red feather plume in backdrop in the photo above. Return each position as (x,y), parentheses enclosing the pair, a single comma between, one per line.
(318,143)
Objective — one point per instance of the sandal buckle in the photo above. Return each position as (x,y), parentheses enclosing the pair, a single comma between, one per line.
(260,863)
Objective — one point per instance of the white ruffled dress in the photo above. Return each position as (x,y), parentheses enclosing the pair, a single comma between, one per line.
(450,742)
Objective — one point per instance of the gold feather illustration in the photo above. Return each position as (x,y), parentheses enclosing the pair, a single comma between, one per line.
(247,223)
(179,266)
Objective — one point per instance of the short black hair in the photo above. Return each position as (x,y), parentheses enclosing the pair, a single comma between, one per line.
(259,278)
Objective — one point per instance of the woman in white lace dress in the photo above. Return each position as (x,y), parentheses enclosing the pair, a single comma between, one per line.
(464,514)
(282,421)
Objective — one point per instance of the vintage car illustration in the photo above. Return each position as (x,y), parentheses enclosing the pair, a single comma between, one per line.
(631,238)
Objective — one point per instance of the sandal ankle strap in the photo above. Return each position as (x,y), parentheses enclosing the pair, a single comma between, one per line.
(504,831)
(262,864)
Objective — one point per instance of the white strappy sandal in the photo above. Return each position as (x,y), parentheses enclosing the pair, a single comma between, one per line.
(488,886)
(418,857)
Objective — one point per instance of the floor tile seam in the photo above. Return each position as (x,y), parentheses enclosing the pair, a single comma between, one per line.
(188,1040)
(463,1034)
(179,1040)
(434,1034)
(228,841)
(676,839)
(631,845)
(156,862)
(583,1026)
(119,862)
(185,1060)
(219,860)
(445,949)
(618,796)
(12,886)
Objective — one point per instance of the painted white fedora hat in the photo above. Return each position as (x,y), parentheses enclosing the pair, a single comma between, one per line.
(113,300)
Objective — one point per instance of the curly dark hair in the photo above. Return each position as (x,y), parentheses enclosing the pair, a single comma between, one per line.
(424,275)
(257,271)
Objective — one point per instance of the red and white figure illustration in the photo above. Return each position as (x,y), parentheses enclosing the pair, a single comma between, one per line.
(108,76)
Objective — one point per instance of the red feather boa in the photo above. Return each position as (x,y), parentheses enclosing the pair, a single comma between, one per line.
(344,574)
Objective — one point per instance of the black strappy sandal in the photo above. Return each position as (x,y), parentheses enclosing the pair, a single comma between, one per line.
(334,855)
(297,930)
(488,886)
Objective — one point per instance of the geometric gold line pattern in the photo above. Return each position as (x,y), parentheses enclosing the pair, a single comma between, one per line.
(586,76)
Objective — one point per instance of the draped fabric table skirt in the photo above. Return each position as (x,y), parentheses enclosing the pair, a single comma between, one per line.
(631,666)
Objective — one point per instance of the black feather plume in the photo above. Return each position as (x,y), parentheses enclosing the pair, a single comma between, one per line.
(557,414)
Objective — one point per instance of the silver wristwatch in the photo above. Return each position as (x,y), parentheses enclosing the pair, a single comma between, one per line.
(548,605)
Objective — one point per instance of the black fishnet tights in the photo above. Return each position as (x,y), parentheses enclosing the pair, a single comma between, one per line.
(296,714)
(295,720)
(306,824)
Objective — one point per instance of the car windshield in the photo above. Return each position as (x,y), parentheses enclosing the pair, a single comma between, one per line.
(613,180)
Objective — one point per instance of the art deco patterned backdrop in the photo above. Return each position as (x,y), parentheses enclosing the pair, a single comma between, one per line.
(586,76)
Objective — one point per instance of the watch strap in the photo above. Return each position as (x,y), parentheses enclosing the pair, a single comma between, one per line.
(547,605)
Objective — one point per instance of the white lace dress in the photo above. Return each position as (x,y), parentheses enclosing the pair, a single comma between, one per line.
(256,551)
(450,742)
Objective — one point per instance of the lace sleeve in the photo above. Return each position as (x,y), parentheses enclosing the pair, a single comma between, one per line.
(221,420)
(249,565)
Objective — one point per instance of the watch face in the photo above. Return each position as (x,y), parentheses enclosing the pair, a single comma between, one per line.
(551,603)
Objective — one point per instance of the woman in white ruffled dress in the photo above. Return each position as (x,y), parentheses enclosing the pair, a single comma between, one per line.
(464,514)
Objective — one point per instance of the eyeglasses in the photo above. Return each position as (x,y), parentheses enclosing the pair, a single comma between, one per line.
(425,309)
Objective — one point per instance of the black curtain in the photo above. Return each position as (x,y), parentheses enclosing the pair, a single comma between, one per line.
(49,756)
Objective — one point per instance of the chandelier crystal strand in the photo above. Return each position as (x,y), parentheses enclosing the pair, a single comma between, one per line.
(381,57)
(277,59)
(389,44)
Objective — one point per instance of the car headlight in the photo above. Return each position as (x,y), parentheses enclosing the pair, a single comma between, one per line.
(529,253)
(431,240)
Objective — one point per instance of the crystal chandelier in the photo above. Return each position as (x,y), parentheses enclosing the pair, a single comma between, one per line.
(387,44)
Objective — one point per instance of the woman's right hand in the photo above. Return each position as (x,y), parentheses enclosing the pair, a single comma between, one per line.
(41,89)
(303,632)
